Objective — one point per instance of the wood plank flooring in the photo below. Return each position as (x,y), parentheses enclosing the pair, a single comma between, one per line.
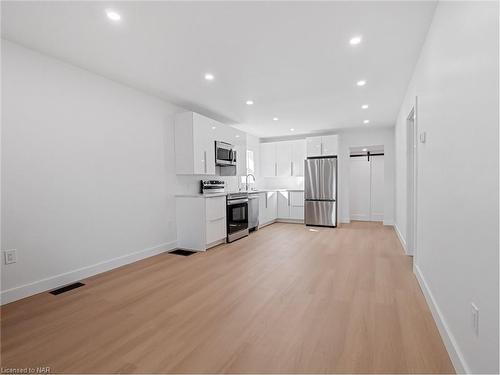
(284,300)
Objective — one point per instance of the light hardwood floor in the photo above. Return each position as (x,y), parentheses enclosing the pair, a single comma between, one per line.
(285,299)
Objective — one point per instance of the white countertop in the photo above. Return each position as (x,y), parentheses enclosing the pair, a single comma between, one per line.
(199,195)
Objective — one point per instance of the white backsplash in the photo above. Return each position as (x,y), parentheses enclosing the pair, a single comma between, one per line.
(283,183)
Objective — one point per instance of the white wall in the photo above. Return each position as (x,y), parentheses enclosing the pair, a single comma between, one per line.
(366,137)
(457,256)
(87,173)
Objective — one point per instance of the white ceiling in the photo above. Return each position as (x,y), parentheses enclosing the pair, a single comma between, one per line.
(293,59)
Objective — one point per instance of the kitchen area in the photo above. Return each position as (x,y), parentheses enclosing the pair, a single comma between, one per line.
(230,183)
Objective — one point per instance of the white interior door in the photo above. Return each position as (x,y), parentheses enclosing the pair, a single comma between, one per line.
(359,188)
(377,188)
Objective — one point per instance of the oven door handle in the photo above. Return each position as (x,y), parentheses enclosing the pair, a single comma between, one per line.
(237,201)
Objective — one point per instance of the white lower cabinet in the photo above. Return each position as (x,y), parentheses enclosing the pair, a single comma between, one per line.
(297,205)
(281,205)
(267,207)
(201,222)
(215,213)
(291,205)
(216,230)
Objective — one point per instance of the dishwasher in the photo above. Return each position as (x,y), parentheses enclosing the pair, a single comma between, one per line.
(253,211)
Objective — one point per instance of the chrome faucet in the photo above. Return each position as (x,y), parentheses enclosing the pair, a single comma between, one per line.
(246,180)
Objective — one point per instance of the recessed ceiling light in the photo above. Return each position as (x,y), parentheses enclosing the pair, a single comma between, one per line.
(249,102)
(214,127)
(365,149)
(237,136)
(209,77)
(355,40)
(366,121)
(275,119)
(292,129)
(364,106)
(361,83)
(112,15)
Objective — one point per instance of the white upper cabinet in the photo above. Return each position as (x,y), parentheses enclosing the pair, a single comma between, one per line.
(240,142)
(195,137)
(194,144)
(268,159)
(313,146)
(298,157)
(326,145)
(330,145)
(282,159)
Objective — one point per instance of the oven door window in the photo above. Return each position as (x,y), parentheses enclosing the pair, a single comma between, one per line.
(237,217)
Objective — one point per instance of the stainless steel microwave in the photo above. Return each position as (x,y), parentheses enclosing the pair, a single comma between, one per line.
(225,154)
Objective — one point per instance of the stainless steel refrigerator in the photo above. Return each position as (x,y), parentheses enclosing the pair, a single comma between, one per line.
(320,194)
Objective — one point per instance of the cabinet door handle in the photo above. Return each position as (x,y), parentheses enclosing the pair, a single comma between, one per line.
(291,168)
(288,197)
(322,148)
(205,160)
(275,169)
(266,200)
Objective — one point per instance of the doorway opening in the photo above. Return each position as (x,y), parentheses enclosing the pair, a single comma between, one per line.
(411,168)
(367,183)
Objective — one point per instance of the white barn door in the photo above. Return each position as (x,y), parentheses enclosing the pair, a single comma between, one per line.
(359,188)
(366,188)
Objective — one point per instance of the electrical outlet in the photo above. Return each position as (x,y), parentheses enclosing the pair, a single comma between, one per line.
(10,256)
(475,318)
(422,137)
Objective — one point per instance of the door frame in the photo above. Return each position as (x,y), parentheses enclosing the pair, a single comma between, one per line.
(411,179)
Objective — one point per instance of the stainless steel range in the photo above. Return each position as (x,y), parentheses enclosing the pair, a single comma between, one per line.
(211,186)
(237,216)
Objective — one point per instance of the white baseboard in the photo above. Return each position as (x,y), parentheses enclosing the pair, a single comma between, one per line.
(56,281)
(360,217)
(401,238)
(450,343)
(345,220)
(290,221)
(389,223)
(266,224)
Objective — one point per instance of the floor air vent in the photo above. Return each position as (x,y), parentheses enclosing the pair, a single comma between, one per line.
(66,288)
(184,253)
